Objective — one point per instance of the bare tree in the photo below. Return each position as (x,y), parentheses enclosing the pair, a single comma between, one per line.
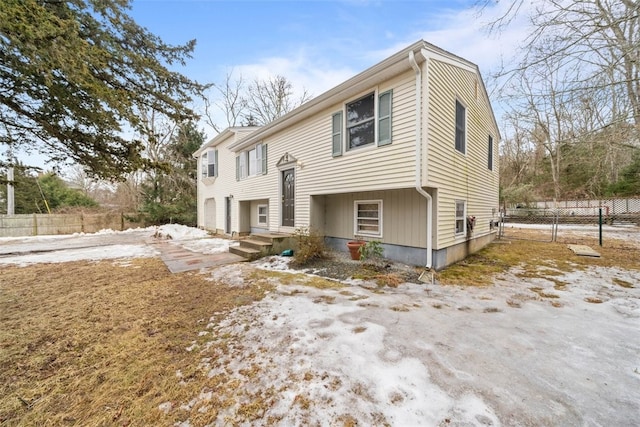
(270,99)
(256,104)
(599,37)
(229,100)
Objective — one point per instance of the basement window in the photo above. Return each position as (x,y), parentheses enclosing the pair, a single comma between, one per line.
(368,218)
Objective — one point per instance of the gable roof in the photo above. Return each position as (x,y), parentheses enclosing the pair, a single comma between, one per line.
(224,135)
(372,76)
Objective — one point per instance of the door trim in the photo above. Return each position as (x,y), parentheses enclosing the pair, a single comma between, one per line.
(283,205)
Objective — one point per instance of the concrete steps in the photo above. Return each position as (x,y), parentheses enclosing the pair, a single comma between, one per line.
(259,245)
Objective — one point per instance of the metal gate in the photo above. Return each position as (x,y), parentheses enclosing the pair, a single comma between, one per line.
(539,225)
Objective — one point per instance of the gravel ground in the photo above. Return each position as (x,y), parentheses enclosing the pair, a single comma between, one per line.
(340,266)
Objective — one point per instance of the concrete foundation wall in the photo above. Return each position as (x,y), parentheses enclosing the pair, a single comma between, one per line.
(418,256)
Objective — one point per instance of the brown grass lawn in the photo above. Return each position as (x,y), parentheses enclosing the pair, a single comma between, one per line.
(100,344)
(97,344)
(538,259)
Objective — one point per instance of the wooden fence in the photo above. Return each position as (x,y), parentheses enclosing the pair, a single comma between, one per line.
(46,224)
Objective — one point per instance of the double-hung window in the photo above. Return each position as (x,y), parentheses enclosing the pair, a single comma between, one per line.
(209,164)
(368,218)
(460,216)
(461,127)
(361,122)
(263,214)
(252,162)
(367,121)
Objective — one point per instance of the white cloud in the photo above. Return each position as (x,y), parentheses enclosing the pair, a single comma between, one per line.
(303,69)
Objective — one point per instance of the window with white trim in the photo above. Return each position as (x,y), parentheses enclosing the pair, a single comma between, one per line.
(461,127)
(263,214)
(252,162)
(368,121)
(203,164)
(361,122)
(367,218)
(209,164)
(461,207)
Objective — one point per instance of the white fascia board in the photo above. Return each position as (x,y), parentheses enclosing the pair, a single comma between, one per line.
(386,69)
(223,136)
(438,54)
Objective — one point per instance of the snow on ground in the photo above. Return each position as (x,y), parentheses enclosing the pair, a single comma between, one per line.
(89,254)
(106,244)
(417,355)
(432,355)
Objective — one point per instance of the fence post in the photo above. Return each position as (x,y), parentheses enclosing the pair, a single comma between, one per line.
(600,225)
(35,225)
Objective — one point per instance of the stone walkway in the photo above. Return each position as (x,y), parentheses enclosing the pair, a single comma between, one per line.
(178,260)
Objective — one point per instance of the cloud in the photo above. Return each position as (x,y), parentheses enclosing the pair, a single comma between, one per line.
(313,73)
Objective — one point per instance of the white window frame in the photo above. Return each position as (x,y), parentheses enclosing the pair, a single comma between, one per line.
(207,159)
(204,162)
(356,228)
(462,219)
(341,137)
(265,214)
(252,162)
(463,148)
(243,165)
(371,119)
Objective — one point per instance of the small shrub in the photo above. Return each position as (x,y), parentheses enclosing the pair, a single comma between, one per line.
(371,251)
(310,246)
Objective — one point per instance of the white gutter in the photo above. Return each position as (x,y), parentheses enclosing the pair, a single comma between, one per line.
(419,189)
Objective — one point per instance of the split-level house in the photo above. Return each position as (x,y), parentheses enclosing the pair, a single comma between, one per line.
(404,153)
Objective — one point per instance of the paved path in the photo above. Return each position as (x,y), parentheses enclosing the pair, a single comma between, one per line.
(177,259)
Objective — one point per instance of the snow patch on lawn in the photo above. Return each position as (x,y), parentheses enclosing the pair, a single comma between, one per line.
(88,254)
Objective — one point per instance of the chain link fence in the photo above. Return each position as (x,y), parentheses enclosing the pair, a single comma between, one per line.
(566,220)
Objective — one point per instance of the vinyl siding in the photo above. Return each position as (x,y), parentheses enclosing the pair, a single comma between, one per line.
(404,216)
(459,176)
(310,142)
(331,184)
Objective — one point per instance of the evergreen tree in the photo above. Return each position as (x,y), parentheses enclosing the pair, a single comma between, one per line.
(75,73)
(170,192)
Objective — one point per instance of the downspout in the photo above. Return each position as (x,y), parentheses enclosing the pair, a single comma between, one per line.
(419,189)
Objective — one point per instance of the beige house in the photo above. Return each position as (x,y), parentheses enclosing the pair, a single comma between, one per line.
(404,153)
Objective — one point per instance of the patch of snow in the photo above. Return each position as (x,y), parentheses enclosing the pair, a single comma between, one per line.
(90,254)
(207,245)
(165,407)
(231,274)
(438,355)
(275,262)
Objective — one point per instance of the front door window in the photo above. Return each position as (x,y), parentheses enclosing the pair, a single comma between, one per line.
(288,198)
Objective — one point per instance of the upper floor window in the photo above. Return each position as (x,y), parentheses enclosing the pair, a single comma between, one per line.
(209,163)
(368,120)
(361,122)
(490,154)
(461,127)
(252,162)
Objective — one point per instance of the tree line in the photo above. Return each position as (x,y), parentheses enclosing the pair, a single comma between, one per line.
(82,83)
(572,100)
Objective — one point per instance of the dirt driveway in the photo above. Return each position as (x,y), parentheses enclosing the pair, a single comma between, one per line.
(559,347)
